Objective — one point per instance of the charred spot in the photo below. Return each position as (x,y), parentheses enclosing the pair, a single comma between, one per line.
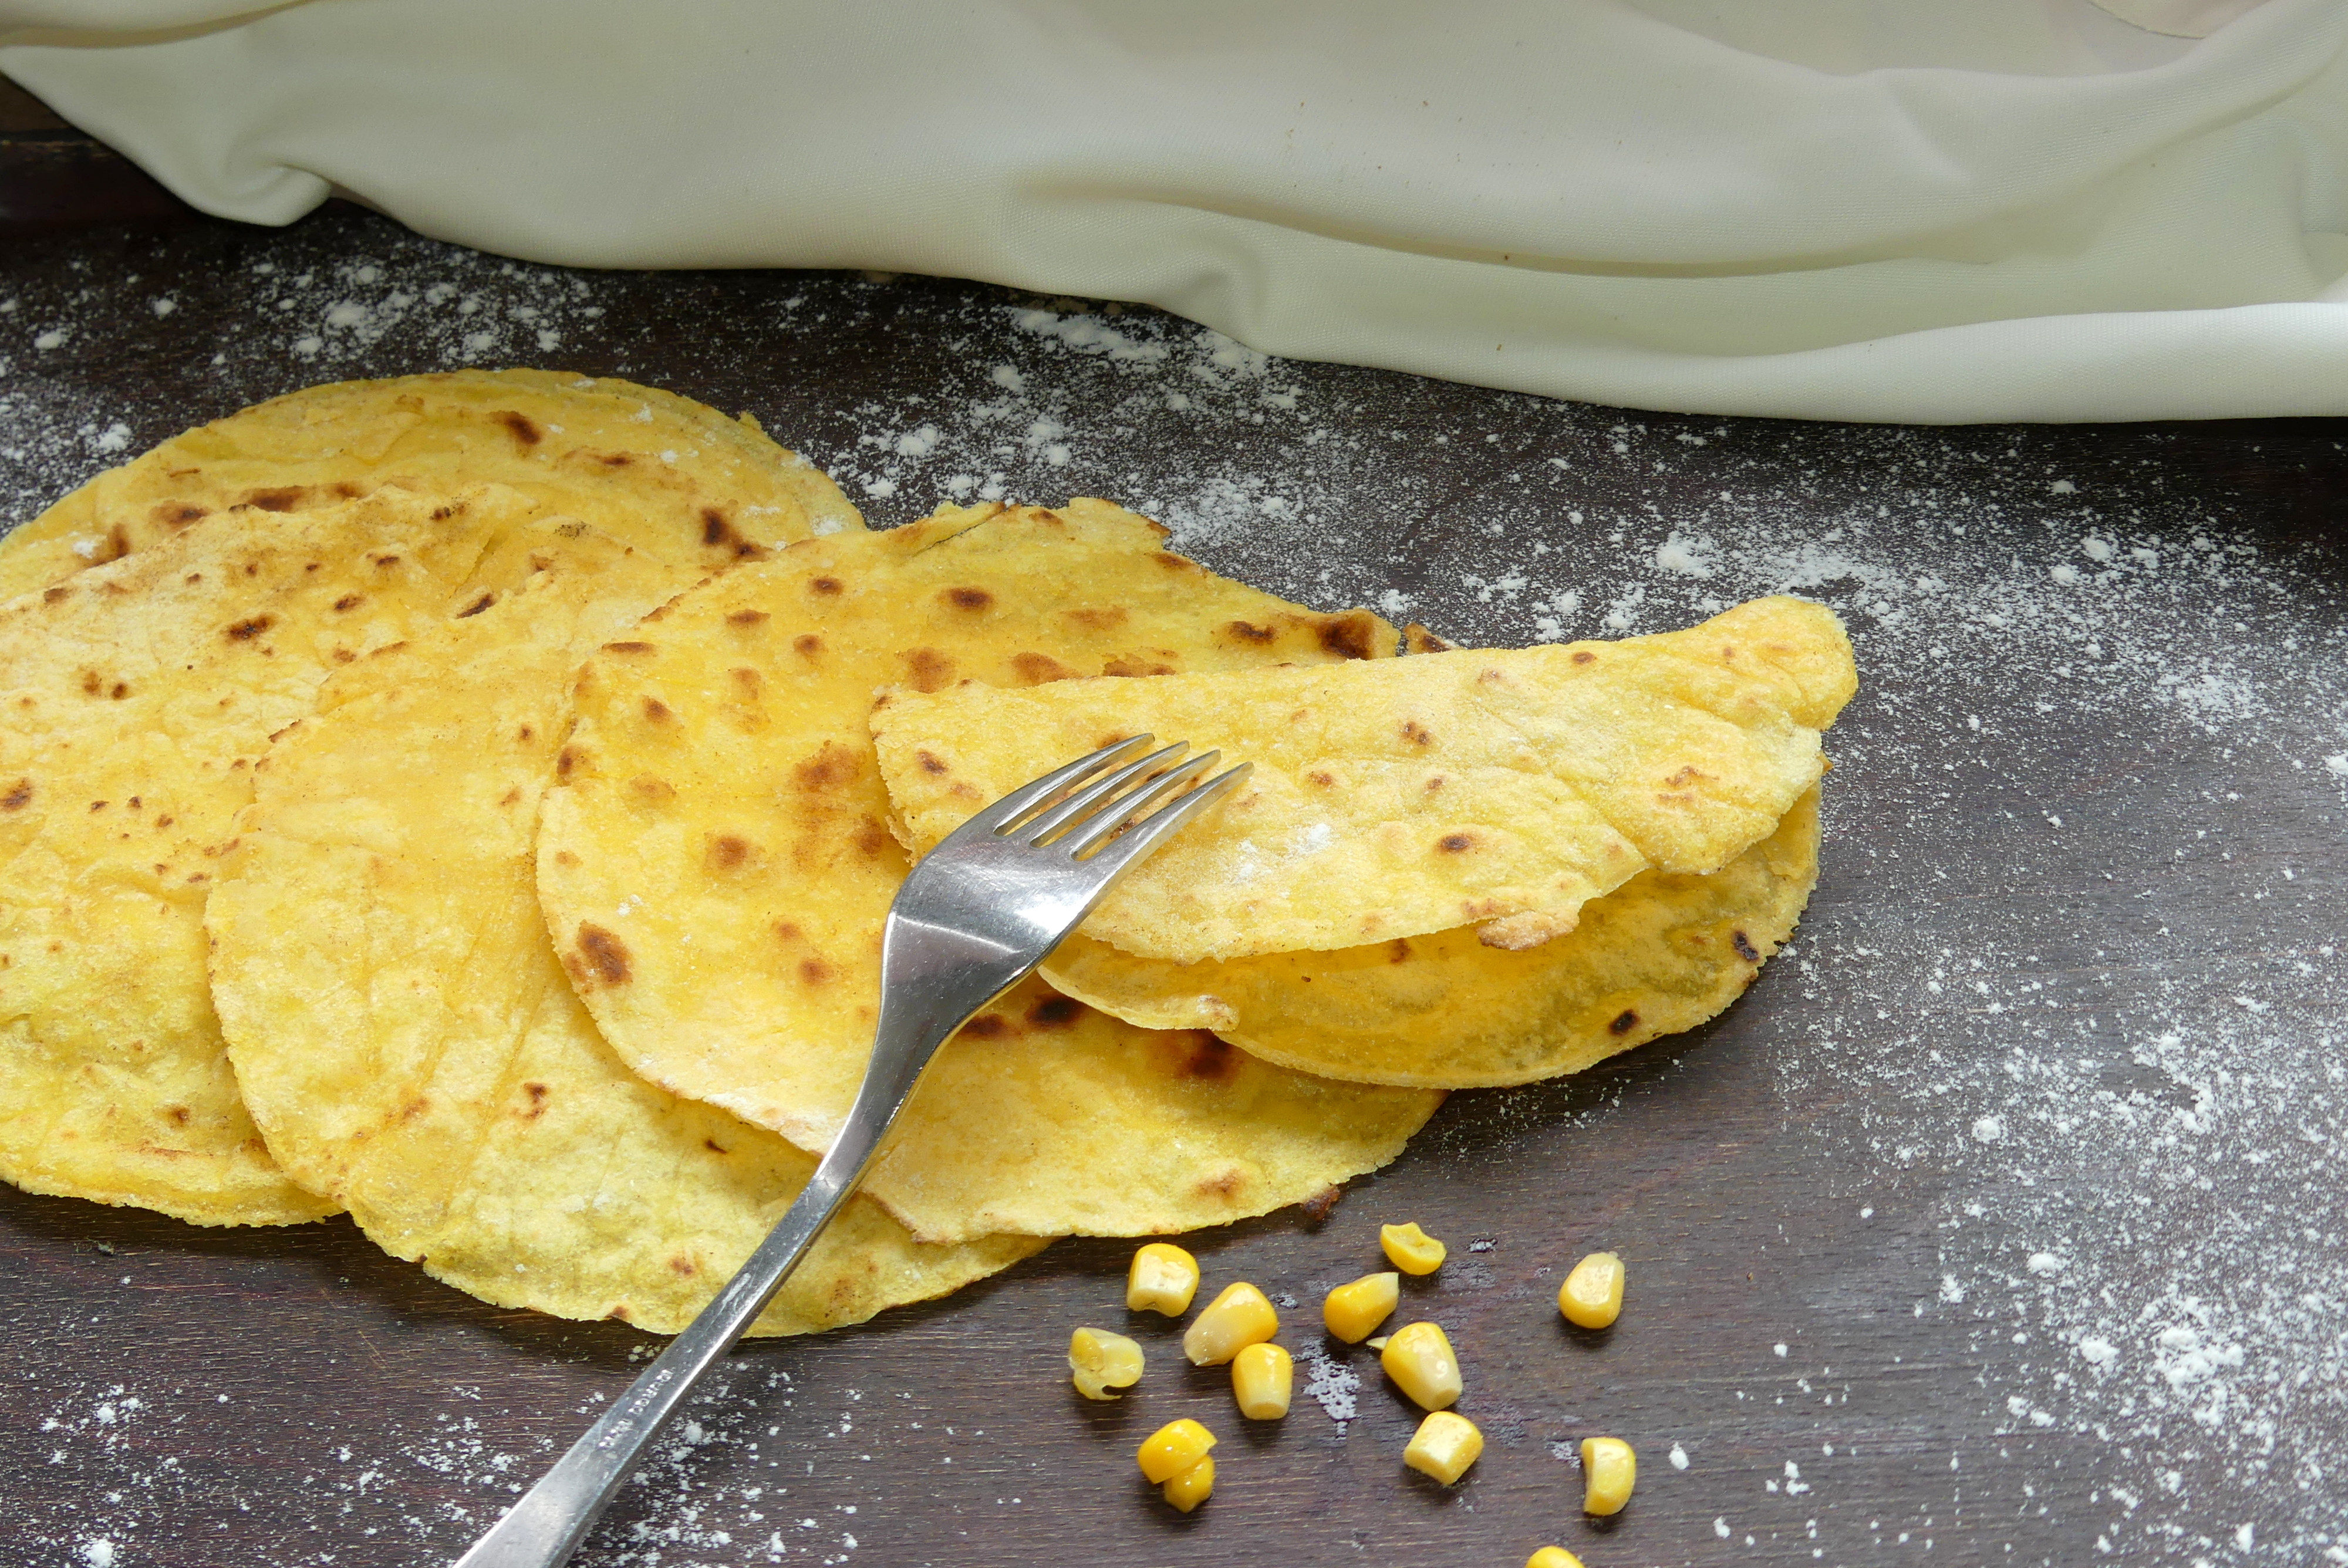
(726,851)
(1416,733)
(1744,948)
(745,617)
(656,710)
(714,1146)
(929,762)
(987,1026)
(1584,656)
(928,670)
(627,647)
(524,429)
(178,1114)
(536,1093)
(98,805)
(524,733)
(246,630)
(815,971)
(1248,632)
(1398,951)
(615,459)
(1321,1204)
(285,498)
(565,760)
(824,585)
(970,599)
(714,528)
(832,767)
(179,514)
(806,644)
(1323,778)
(478,606)
(349,602)
(1210,1058)
(1054,1013)
(386,562)
(1456,843)
(606,955)
(1350,636)
(348,490)
(1036,669)
(1624,1022)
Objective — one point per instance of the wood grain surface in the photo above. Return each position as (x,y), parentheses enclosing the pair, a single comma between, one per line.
(1998,1222)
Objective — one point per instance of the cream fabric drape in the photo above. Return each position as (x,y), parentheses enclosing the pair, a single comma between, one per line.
(1844,208)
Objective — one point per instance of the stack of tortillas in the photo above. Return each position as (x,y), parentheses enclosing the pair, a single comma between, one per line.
(456,800)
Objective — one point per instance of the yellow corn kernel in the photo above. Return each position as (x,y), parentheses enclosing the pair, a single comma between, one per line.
(1101,1361)
(1412,1250)
(1445,1445)
(1608,1469)
(1163,1278)
(1193,1487)
(1591,1295)
(1353,1310)
(1173,1449)
(1234,1320)
(1552,1557)
(1418,1357)
(1261,1375)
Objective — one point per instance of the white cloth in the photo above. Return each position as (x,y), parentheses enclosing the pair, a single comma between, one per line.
(1899,210)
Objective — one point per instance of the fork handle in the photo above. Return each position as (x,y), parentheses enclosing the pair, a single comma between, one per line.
(553,1516)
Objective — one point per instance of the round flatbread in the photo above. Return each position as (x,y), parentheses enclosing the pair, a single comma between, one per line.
(648,468)
(715,869)
(1661,953)
(409,1045)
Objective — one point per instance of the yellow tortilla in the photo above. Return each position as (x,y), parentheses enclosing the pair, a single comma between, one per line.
(716,870)
(1503,788)
(1662,952)
(650,469)
(410,1047)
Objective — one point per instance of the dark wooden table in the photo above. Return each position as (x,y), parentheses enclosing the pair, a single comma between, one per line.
(1999,1223)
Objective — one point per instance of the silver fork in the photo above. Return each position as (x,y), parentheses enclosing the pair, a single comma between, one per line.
(976,917)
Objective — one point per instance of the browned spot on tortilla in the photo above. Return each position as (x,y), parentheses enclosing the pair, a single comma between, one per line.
(524,733)
(987,1026)
(825,585)
(512,797)
(1624,1022)
(713,1147)
(726,851)
(657,711)
(1744,948)
(1321,777)
(684,1266)
(1226,1185)
(1124,665)
(178,514)
(1321,1204)
(1210,1058)
(971,599)
(524,429)
(615,459)
(537,1092)
(787,929)
(565,760)
(56,596)
(386,562)
(477,607)
(928,669)
(1584,656)
(627,647)
(1246,631)
(1099,618)
(1456,843)
(605,954)
(1684,777)
(1416,733)
(806,644)
(1054,1012)
(284,498)
(246,630)
(1353,636)
(815,971)
(652,792)
(349,602)
(1036,669)
(870,838)
(832,767)
(745,617)
(1489,675)
(414,1109)
(178,1114)
(1399,951)
(929,762)
(745,680)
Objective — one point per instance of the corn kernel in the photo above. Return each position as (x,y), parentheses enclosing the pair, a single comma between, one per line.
(1445,1445)
(1353,1310)
(1234,1320)
(1379,1343)
(1418,1357)
(1591,1295)
(1412,1250)
(1261,1377)
(1163,1278)
(1552,1557)
(1101,1361)
(1173,1449)
(1608,1469)
(1193,1487)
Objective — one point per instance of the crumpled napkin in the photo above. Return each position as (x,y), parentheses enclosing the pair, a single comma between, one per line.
(1894,210)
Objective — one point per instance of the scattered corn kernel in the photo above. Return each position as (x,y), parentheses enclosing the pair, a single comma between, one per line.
(1412,1250)
(1353,1310)
(1101,1361)
(1193,1487)
(1445,1445)
(1234,1320)
(1608,1469)
(1591,1295)
(1418,1357)
(1261,1377)
(1163,1278)
(1552,1557)
(1173,1449)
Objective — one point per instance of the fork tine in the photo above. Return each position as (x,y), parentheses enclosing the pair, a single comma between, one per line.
(1011,806)
(1087,836)
(1081,805)
(1162,823)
